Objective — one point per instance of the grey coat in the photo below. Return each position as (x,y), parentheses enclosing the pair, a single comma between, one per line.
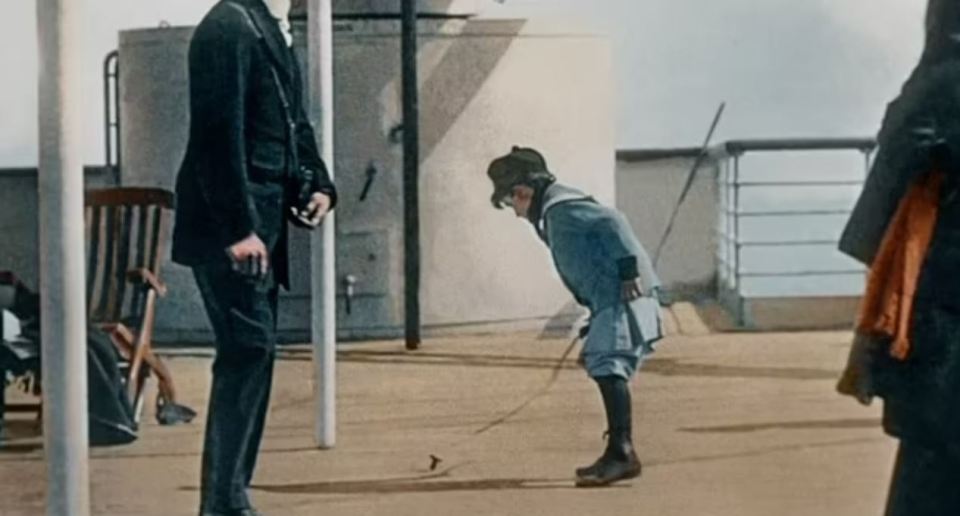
(586,241)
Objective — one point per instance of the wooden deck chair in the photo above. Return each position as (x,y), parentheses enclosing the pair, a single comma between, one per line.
(125,233)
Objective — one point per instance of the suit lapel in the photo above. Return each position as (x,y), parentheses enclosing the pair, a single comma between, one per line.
(272,38)
(296,79)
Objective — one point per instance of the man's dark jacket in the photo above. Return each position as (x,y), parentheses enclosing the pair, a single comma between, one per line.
(920,133)
(250,142)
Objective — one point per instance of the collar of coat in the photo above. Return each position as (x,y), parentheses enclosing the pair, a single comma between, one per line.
(268,30)
(557,194)
(279,9)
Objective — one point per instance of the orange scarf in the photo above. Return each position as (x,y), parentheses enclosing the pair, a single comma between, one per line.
(887,305)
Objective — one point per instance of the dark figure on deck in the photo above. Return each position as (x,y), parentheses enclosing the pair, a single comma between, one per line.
(251,164)
(917,369)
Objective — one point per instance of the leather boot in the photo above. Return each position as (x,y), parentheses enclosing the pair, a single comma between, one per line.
(619,460)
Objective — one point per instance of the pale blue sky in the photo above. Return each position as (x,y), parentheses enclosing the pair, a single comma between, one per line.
(785,68)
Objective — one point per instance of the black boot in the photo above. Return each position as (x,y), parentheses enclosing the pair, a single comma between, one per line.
(619,460)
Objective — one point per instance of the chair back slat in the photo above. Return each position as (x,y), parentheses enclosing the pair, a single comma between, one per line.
(141,255)
(92,225)
(124,229)
(121,252)
(115,253)
(104,277)
(155,239)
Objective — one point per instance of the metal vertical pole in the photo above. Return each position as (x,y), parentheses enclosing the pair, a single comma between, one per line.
(738,244)
(730,273)
(107,113)
(723,244)
(322,251)
(411,166)
(731,236)
(62,278)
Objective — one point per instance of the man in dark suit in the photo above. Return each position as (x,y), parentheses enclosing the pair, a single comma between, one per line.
(251,163)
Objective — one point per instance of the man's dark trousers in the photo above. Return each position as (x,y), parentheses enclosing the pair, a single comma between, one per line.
(243,313)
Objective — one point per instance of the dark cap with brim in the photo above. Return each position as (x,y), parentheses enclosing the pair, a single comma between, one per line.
(521,166)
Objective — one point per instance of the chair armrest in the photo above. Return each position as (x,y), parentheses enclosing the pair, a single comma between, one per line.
(148,279)
(123,339)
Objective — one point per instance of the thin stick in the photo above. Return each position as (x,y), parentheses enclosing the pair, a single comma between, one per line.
(554,375)
(704,150)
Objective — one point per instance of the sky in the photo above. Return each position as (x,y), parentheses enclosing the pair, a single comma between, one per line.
(785,68)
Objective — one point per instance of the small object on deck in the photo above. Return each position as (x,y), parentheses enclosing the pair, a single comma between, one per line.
(169,414)
(434,462)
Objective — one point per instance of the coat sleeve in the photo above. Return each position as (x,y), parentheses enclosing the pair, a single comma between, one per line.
(919,131)
(310,158)
(220,57)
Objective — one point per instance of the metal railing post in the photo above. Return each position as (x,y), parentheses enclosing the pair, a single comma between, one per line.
(323,290)
(63,310)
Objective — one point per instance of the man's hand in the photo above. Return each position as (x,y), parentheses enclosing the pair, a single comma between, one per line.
(249,256)
(630,290)
(313,213)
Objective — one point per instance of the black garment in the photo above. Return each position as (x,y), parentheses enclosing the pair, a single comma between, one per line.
(921,127)
(243,313)
(535,212)
(922,393)
(924,482)
(619,409)
(250,142)
(921,132)
(110,415)
(619,460)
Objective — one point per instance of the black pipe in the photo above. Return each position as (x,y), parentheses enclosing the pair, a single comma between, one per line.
(111,111)
(386,16)
(108,156)
(411,165)
(742,146)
